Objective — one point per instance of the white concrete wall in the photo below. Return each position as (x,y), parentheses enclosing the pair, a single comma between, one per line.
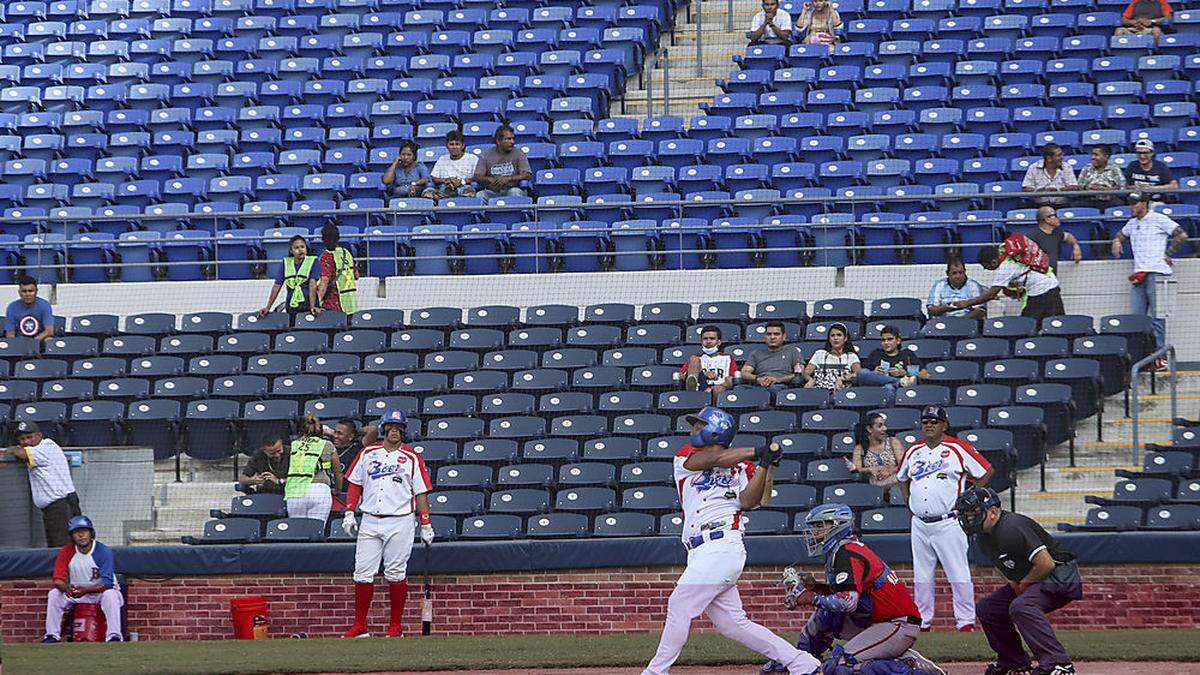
(1094,287)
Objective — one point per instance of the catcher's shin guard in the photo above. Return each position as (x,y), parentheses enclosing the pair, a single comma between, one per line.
(398,594)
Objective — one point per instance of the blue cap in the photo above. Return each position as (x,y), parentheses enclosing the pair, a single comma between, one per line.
(719,427)
(80,523)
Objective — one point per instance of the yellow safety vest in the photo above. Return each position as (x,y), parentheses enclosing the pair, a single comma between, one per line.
(306,459)
(296,279)
(347,283)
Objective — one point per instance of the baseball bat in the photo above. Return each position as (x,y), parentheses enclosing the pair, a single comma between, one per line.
(766,498)
(427,601)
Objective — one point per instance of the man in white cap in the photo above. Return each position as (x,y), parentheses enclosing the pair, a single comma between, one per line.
(1148,172)
(49,481)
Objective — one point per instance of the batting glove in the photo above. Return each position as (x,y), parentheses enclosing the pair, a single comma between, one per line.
(427,534)
(349,526)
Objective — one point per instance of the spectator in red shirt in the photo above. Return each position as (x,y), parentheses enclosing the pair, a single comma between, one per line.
(712,370)
(338,285)
(1145,17)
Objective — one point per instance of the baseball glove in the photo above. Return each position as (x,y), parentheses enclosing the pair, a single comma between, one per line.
(798,583)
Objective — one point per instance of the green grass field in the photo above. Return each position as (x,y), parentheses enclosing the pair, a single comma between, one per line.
(508,651)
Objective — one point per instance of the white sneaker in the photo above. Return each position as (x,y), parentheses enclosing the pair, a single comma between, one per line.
(907,381)
(913,659)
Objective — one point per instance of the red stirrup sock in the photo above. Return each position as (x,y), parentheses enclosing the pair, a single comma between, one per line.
(398,593)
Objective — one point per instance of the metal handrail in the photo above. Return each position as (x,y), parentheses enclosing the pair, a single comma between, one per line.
(1169,351)
(586,206)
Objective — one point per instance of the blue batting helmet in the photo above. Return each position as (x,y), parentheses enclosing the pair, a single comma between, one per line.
(80,523)
(393,416)
(840,519)
(719,427)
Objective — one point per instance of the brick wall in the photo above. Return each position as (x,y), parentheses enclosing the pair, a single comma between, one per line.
(582,602)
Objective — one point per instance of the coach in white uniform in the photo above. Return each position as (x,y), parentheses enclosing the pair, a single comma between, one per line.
(932,474)
(716,483)
(388,482)
(49,481)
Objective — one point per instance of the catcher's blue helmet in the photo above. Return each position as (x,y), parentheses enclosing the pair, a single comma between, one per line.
(393,416)
(841,521)
(80,523)
(719,427)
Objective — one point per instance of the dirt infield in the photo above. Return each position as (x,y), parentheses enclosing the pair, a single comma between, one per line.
(1114,668)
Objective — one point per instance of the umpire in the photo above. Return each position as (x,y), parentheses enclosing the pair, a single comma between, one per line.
(1042,577)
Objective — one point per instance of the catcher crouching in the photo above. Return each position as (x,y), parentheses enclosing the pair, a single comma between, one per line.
(860,601)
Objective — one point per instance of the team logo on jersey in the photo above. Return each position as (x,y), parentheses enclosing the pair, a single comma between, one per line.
(842,577)
(29,326)
(945,454)
(377,469)
(714,478)
(923,469)
(95,574)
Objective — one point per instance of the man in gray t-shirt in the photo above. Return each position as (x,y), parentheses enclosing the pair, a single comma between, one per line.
(502,168)
(774,367)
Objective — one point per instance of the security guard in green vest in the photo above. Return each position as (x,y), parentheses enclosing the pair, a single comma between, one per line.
(298,275)
(338,285)
(314,471)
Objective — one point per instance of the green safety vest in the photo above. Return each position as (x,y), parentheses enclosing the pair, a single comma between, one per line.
(306,459)
(347,285)
(296,279)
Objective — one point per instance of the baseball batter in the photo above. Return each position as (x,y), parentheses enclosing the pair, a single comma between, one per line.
(933,473)
(716,483)
(389,482)
(859,599)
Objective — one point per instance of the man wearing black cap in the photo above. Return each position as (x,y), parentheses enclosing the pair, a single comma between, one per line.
(932,474)
(49,481)
(1042,577)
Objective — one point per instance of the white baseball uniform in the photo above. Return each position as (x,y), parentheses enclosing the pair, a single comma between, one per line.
(936,476)
(716,555)
(390,484)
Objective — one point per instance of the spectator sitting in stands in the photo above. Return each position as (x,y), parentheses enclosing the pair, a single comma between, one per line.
(299,274)
(1040,293)
(29,316)
(890,365)
(819,22)
(1145,17)
(1101,175)
(345,440)
(834,365)
(776,366)
(1149,172)
(338,283)
(877,454)
(1049,237)
(502,168)
(712,370)
(452,173)
(954,286)
(772,25)
(84,573)
(406,177)
(268,468)
(1049,174)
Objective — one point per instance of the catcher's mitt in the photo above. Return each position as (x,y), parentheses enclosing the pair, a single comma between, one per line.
(798,583)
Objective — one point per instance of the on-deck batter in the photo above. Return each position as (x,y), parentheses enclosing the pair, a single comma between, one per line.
(716,483)
(389,482)
(932,474)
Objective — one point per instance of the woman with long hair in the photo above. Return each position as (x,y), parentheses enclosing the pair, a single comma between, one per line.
(834,365)
(313,473)
(876,453)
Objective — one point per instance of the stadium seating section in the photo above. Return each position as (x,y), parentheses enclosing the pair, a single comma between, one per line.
(563,421)
(115,108)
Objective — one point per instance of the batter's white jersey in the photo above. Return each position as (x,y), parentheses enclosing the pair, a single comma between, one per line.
(390,480)
(936,476)
(711,495)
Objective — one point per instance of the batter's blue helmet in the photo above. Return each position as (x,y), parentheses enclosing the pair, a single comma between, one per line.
(719,427)
(841,525)
(80,523)
(393,416)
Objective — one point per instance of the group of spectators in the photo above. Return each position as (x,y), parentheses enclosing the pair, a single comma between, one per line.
(499,171)
(1051,174)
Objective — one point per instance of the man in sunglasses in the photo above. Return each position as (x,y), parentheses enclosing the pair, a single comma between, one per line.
(932,474)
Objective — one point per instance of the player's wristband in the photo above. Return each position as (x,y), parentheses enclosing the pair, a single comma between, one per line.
(423,518)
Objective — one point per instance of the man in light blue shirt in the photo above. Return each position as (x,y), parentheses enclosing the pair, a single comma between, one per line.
(956,286)
(30,316)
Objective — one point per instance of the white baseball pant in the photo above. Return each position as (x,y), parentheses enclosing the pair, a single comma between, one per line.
(315,504)
(709,585)
(943,542)
(389,540)
(110,602)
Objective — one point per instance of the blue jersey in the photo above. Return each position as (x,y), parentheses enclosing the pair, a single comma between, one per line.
(28,320)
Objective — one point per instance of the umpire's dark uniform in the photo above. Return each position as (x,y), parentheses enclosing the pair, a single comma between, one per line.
(1011,544)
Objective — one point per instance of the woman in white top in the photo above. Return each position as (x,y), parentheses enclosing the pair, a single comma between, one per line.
(833,366)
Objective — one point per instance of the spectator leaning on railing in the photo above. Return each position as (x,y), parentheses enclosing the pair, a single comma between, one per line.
(299,274)
(1049,237)
(501,168)
(50,481)
(951,288)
